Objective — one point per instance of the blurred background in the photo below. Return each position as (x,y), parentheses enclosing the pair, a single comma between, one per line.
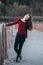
(20,7)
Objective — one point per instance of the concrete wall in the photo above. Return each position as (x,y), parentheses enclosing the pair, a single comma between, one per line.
(38,27)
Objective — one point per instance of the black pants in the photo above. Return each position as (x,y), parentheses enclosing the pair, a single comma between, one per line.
(19,40)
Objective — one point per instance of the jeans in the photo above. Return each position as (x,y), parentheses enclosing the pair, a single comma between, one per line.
(19,41)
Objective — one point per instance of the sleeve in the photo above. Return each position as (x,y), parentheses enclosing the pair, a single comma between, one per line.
(13,23)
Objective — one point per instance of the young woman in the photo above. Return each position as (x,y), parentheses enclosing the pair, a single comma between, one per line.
(21,34)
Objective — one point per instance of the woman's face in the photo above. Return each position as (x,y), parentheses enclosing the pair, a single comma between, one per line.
(26,17)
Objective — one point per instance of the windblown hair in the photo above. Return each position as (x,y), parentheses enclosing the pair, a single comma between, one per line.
(29,24)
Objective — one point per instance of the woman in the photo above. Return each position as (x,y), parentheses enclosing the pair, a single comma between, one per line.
(21,34)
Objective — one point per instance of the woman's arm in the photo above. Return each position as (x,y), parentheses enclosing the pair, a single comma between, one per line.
(12,23)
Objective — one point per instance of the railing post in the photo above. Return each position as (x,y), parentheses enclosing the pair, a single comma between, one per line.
(1,49)
(4,40)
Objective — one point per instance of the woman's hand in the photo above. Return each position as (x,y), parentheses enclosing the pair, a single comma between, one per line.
(4,25)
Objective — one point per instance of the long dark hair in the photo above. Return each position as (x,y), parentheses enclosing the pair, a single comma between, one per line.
(29,24)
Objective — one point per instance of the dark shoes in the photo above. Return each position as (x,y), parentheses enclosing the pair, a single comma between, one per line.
(18,58)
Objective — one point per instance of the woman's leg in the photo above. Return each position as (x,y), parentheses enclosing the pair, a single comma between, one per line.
(21,44)
(22,39)
(16,43)
(20,48)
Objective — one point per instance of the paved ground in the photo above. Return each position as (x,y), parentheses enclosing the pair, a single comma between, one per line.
(32,51)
